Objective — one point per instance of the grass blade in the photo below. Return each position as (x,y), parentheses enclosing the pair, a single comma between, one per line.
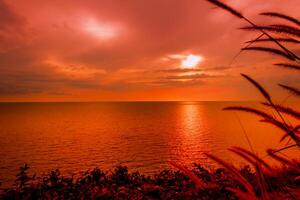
(248,45)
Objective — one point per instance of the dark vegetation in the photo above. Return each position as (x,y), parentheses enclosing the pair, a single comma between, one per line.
(259,180)
(167,184)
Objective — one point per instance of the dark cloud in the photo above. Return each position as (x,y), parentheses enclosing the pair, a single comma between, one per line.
(45,80)
(12,90)
(9,19)
(12,27)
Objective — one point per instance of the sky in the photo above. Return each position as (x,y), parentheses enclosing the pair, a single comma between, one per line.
(133,50)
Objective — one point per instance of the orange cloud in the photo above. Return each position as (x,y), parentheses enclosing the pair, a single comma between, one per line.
(129,50)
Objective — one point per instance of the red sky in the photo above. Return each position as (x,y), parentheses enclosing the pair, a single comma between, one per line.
(71,50)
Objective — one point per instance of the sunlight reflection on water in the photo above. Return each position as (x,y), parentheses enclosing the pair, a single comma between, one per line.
(79,136)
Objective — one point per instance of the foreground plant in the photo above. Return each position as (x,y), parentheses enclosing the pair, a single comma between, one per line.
(284,33)
(219,183)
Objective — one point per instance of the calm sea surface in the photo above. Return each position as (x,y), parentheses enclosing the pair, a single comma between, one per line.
(75,137)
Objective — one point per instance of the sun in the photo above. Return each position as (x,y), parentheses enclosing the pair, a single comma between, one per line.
(191,61)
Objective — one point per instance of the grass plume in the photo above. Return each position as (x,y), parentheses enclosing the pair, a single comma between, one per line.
(237,14)
(226,7)
(249,154)
(284,161)
(281,16)
(275,29)
(288,40)
(287,29)
(258,86)
(266,117)
(234,171)
(198,182)
(287,65)
(290,89)
(270,50)
(250,110)
(290,111)
(277,124)
(283,52)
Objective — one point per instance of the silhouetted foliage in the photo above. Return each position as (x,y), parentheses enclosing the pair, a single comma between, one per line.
(167,184)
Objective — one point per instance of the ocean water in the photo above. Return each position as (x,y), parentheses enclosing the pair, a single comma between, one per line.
(75,137)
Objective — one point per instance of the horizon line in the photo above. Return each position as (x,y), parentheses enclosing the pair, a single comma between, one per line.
(129,101)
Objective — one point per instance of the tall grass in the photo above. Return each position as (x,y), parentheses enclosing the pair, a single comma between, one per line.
(284,33)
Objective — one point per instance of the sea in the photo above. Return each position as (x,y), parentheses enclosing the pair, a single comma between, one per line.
(144,136)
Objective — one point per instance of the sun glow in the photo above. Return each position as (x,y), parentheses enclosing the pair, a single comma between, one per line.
(191,61)
(100,30)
